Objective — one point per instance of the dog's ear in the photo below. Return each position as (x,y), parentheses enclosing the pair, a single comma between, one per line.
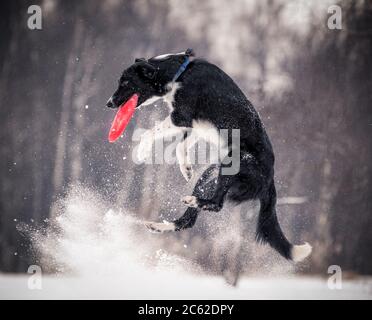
(146,70)
(139,60)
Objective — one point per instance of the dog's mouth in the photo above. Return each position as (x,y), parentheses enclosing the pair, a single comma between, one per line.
(123,117)
(112,105)
(133,98)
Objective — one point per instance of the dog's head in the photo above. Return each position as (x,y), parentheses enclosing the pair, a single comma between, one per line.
(148,78)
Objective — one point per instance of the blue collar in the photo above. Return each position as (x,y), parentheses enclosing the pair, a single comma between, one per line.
(181,69)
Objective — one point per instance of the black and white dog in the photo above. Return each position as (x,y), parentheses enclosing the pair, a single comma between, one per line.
(200,95)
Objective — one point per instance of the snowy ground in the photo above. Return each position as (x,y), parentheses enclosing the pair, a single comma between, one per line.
(185,287)
(108,254)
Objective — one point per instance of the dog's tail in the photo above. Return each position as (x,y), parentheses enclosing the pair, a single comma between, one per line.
(269,231)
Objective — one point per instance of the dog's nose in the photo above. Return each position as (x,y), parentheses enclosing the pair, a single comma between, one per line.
(110,103)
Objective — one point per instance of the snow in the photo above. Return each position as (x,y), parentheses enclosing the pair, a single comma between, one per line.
(95,253)
(171,286)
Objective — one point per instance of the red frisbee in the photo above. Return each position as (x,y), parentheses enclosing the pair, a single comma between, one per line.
(122,118)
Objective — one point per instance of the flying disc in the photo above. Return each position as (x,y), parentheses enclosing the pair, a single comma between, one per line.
(122,118)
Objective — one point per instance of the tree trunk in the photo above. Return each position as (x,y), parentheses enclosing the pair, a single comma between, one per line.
(59,166)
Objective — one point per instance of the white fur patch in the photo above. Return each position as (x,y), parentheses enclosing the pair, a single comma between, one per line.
(169,97)
(164,226)
(145,146)
(184,161)
(187,171)
(208,132)
(190,201)
(299,253)
(149,101)
(163,56)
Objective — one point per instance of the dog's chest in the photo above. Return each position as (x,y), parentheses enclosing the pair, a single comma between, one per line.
(205,130)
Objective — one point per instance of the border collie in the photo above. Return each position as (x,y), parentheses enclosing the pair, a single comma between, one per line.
(201,95)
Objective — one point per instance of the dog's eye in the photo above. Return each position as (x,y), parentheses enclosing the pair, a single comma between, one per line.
(124,83)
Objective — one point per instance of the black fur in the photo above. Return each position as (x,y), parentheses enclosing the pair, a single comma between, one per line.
(207,93)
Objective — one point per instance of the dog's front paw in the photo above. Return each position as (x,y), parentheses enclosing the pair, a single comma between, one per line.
(144,149)
(190,201)
(159,227)
(187,171)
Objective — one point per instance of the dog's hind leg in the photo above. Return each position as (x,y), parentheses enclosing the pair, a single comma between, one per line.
(212,202)
(187,220)
(160,226)
(204,187)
